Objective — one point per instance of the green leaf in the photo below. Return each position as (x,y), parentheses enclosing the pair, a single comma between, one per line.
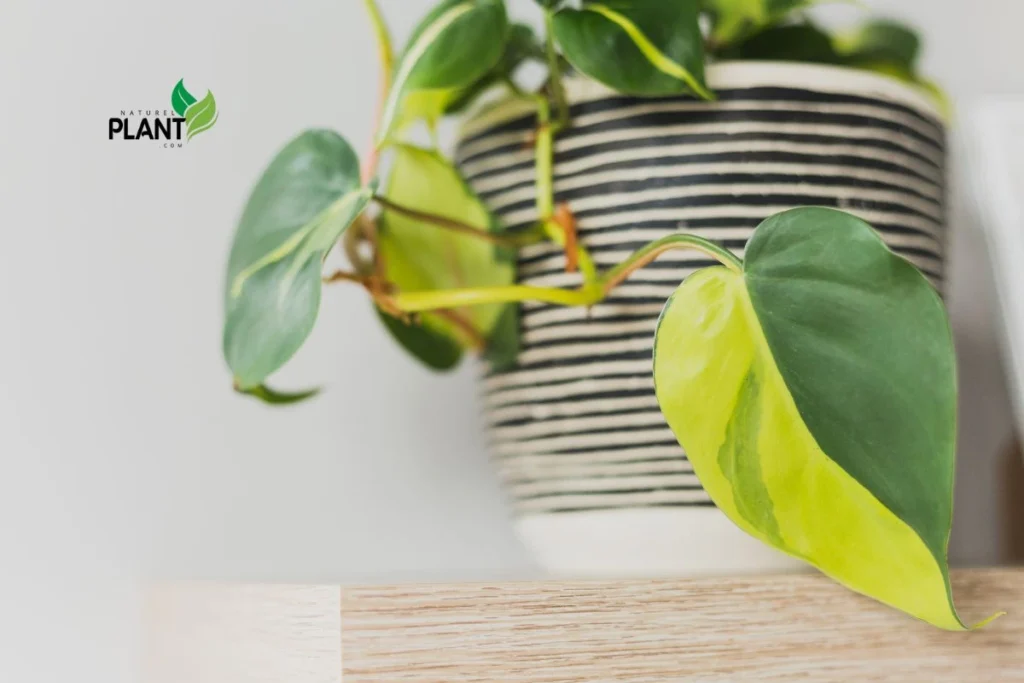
(277,398)
(790,43)
(305,200)
(734,20)
(815,395)
(522,47)
(454,46)
(200,116)
(731,18)
(437,351)
(881,42)
(637,47)
(422,257)
(181,99)
(505,342)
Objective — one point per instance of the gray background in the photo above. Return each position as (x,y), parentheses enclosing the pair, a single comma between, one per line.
(125,455)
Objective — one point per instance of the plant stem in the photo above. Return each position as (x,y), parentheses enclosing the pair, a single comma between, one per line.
(588,295)
(474,339)
(652,251)
(545,161)
(555,72)
(545,171)
(512,241)
(418,302)
(380,28)
(386,55)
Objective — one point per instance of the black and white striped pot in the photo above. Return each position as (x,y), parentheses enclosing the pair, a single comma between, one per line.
(598,482)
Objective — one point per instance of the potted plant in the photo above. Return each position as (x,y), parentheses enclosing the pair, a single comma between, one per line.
(804,362)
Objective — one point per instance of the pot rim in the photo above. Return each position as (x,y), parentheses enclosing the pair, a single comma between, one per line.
(724,75)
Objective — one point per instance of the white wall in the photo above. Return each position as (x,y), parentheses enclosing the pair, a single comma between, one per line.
(123,451)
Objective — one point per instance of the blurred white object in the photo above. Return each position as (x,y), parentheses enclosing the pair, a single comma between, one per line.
(996,154)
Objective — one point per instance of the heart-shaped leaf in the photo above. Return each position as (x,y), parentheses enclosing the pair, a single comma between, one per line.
(421,257)
(815,395)
(305,200)
(638,47)
(453,47)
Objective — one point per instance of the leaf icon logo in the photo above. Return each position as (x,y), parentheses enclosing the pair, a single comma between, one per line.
(181,99)
(200,115)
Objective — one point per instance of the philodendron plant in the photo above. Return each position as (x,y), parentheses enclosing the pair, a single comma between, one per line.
(812,384)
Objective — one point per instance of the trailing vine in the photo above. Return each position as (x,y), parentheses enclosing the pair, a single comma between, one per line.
(317,193)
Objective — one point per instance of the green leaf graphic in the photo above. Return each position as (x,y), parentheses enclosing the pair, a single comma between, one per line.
(814,391)
(201,115)
(181,99)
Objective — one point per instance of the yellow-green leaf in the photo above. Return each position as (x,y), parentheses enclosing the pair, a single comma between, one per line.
(421,257)
(815,394)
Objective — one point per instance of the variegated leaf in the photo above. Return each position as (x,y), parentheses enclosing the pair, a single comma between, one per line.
(815,394)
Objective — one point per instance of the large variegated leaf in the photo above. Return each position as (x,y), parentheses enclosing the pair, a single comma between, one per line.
(422,257)
(639,47)
(455,45)
(815,395)
(306,198)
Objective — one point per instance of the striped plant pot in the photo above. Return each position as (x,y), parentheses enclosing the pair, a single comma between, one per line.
(599,483)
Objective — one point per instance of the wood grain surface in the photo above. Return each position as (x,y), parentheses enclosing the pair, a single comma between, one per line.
(781,628)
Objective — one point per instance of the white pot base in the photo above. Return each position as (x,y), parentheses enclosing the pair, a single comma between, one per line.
(647,542)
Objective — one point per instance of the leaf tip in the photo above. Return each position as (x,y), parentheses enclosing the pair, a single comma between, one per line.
(272,397)
(985,622)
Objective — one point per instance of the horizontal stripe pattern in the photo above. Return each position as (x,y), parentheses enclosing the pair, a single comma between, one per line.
(576,425)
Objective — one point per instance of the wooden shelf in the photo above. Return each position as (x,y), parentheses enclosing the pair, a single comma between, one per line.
(779,628)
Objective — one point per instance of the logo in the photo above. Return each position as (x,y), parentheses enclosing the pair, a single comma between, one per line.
(187,118)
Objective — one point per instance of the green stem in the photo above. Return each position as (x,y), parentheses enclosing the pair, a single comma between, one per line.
(380,28)
(386,54)
(588,295)
(652,251)
(555,72)
(513,241)
(545,170)
(545,161)
(418,302)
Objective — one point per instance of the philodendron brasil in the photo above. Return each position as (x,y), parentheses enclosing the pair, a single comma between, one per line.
(814,395)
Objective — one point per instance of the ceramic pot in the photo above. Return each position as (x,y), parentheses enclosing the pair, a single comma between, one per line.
(599,484)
